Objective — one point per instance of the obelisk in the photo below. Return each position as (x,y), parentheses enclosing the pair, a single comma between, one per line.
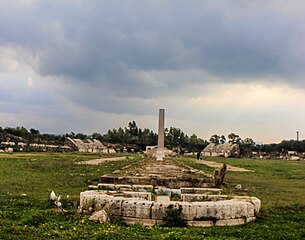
(160,150)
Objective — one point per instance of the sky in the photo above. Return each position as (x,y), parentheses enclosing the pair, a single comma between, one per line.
(214,66)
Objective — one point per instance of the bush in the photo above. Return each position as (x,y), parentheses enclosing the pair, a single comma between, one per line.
(173,217)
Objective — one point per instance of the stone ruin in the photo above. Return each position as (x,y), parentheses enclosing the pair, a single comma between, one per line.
(145,194)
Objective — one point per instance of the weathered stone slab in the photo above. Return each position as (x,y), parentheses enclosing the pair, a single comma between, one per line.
(201,210)
(137,209)
(107,186)
(217,197)
(234,209)
(250,210)
(99,202)
(129,208)
(200,223)
(123,187)
(208,190)
(175,191)
(141,195)
(83,198)
(88,199)
(114,205)
(239,209)
(242,198)
(211,210)
(162,199)
(257,204)
(160,222)
(188,211)
(92,187)
(194,197)
(230,222)
(143,209)
(145,222)
(137,187)
(223,209)
(200,190)
(160,154)
(100,216)
(158,210)
(250,219)
(205,210)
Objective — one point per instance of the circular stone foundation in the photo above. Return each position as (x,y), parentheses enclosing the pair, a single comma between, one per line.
(141,204)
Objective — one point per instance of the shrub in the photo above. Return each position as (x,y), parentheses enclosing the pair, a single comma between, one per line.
(173,217)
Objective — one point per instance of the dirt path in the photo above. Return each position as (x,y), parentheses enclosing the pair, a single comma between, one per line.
(101,160)
(219,165)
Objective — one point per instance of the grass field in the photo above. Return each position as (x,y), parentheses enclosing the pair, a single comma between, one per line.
(26,181)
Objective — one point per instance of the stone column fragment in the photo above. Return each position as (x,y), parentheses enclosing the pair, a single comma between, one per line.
(160,150)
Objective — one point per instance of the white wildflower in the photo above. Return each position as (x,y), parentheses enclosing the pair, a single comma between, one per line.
(53,196)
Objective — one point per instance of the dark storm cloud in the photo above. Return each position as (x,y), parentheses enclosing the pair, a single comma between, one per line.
(101,42)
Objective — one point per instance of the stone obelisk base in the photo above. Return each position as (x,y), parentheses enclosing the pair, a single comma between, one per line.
(160,154)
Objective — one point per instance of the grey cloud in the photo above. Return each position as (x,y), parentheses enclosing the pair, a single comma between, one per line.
(97,99)
(100,42)
(26,98)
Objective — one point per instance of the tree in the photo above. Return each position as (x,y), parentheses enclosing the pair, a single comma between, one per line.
(147,138)
(133,128)
(175,137)
(222,139)
(34,131)
(215,139)
(247,146)
(71,135)
(97,136)
(18,131)
(248,142)
(234,138)
(81,136)
(195,144)
(110,136)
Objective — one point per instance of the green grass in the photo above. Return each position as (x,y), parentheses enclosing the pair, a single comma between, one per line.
(275,182)
(38,174)
(279,184)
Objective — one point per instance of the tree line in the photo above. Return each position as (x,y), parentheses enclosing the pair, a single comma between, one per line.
(21,134)
(175,139)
